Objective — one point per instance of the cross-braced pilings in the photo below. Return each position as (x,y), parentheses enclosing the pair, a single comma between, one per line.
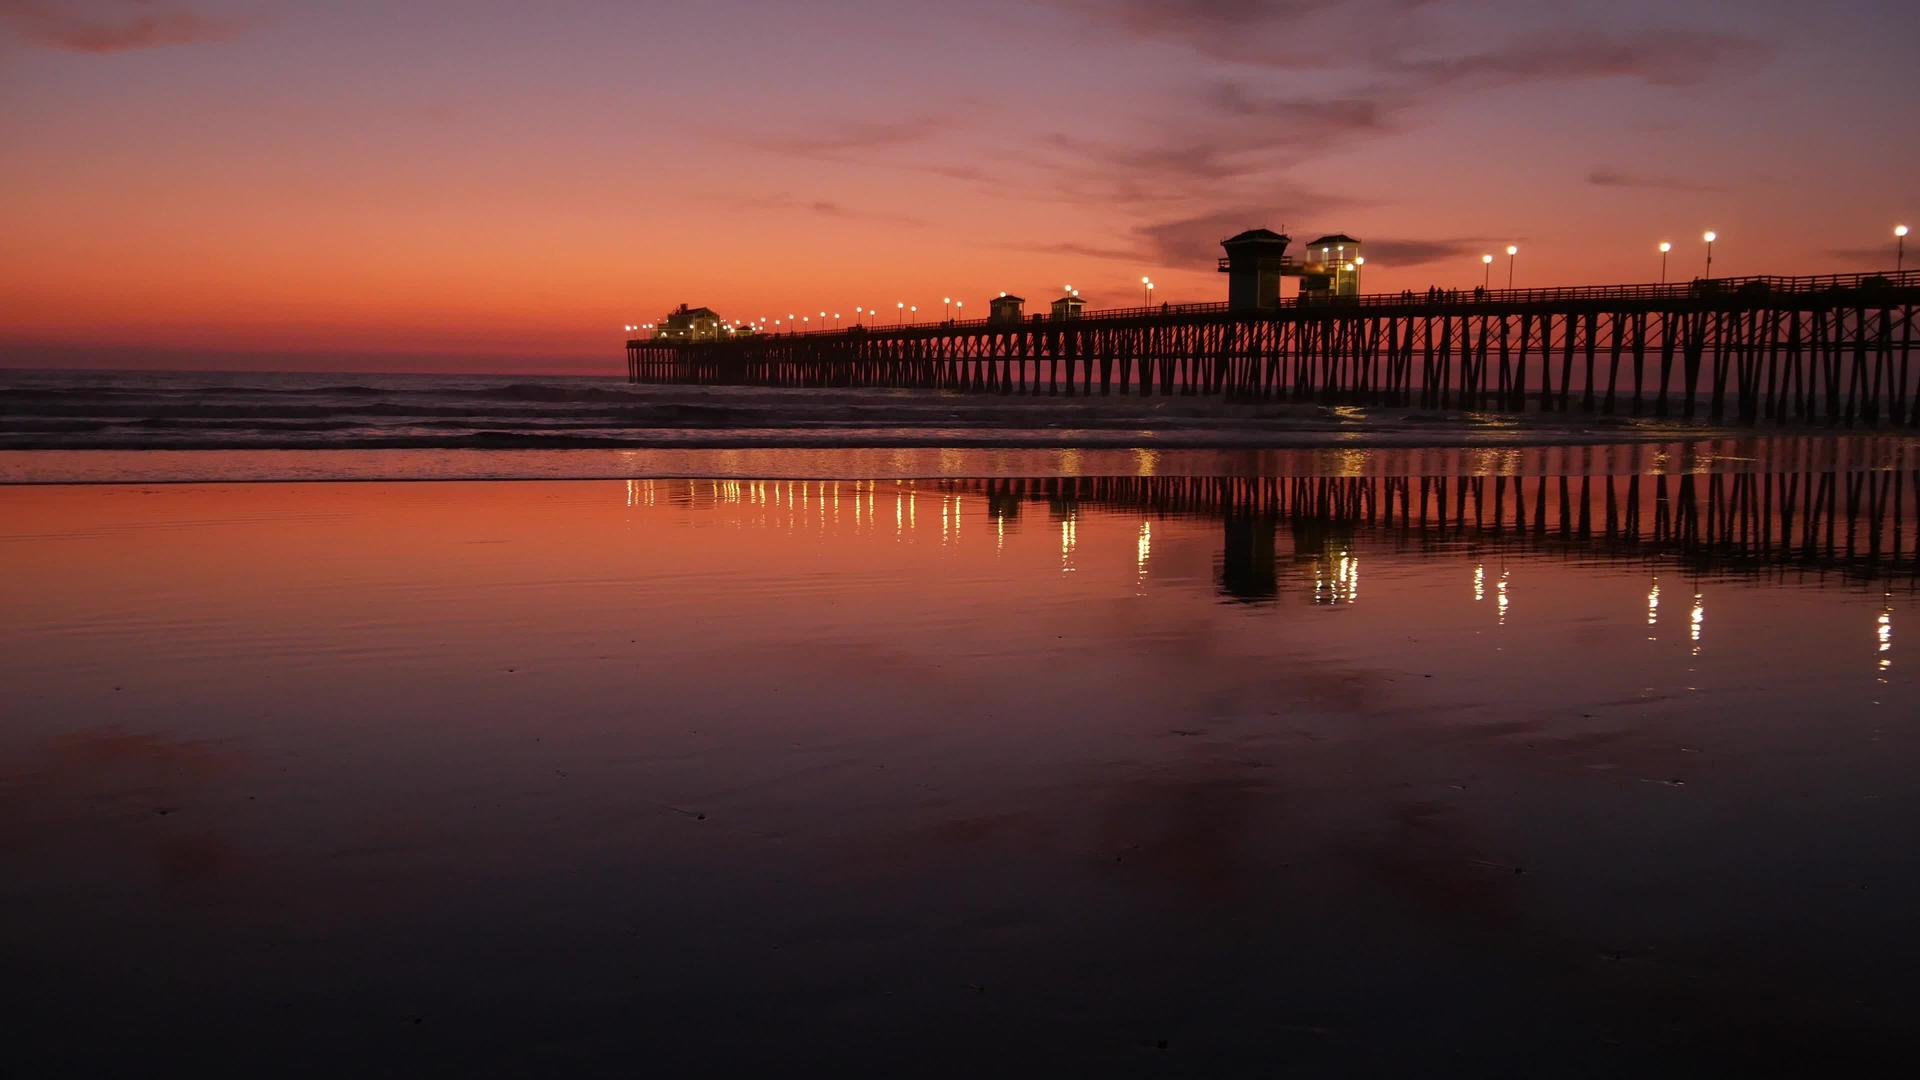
(1832,349)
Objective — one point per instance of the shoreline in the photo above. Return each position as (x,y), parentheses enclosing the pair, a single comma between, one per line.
(1702,453)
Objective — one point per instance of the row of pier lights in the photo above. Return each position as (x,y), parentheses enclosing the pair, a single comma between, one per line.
(905,313)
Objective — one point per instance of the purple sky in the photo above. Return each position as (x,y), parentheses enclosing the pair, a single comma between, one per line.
(496,185)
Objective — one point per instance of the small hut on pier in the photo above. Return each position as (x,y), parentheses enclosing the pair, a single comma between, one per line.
(1068,307)
(690,324)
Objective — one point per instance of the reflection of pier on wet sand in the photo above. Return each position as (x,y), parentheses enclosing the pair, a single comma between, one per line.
(1860,524)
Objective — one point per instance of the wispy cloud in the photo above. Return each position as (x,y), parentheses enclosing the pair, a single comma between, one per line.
(1604,177)
(1660,57)
(1378,67)
(1865,258)
(1194,239)
(827,208)
(110,26)
(1281,85)
(1421,252)
(1410,43)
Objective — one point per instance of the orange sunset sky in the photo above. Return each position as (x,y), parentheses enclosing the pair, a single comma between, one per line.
(489,186)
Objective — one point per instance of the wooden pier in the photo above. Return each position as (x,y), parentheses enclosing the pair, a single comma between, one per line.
(1833,350)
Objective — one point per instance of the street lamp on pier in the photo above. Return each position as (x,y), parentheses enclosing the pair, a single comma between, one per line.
(1710,236)
(1486,272)
(961,304)
(914,310)
(949,302)
(1899,248)
(900,313)
(1512,250)
(1664,248)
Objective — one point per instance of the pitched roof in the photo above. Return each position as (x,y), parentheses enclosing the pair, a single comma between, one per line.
(1253,236)
(1003,299)
(1336,238)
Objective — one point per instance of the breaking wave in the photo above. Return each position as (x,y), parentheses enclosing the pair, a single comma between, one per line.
(44,410)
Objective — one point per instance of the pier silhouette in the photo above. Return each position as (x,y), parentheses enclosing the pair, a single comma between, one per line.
(1834,349)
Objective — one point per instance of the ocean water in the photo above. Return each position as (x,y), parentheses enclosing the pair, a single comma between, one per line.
(1585,766)
(48,410)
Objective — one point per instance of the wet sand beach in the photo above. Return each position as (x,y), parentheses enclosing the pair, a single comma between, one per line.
(1324,770)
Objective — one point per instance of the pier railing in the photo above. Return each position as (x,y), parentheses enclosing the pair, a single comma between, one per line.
(1680,291)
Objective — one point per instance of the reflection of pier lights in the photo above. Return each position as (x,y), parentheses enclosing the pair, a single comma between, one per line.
(1336,579)
(1143,548)
(1501,599)
(1883,634)
(1069,541)
(1653,604)
(949,518)
(1695,620)
(1479,582)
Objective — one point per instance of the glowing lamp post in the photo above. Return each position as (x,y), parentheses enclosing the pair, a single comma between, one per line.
(1486,272)
(900,313)
(1710,236)
(1512,250)
(1664,248)
(948,300)
(914,310)
(1899,248)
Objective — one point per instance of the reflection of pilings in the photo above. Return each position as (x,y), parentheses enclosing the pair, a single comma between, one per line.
(1859,522)
(1247,570)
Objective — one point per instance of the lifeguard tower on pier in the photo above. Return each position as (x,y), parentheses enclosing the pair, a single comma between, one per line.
(1254,263)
